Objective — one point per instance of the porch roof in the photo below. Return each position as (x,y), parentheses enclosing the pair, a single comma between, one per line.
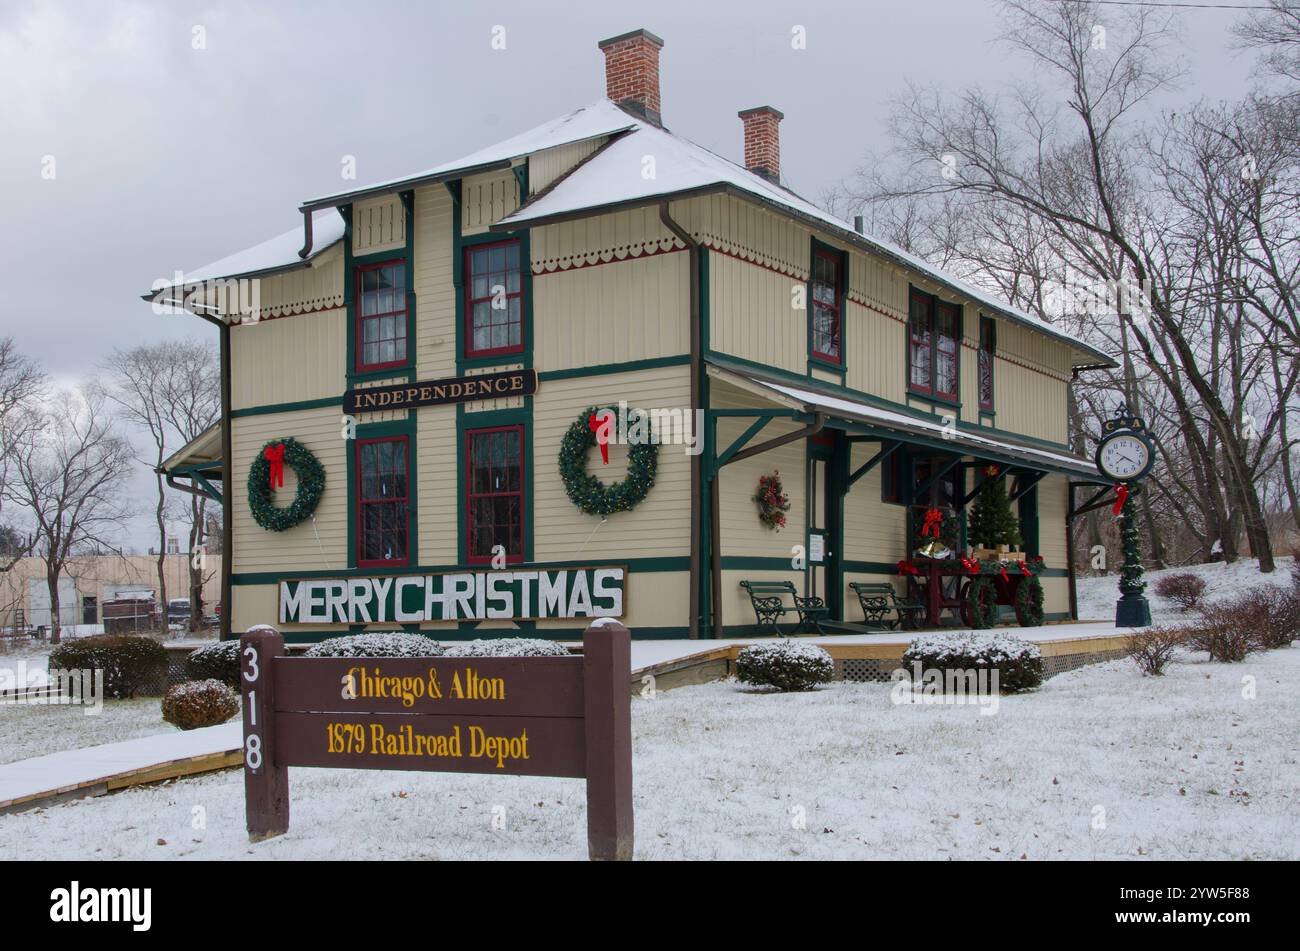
(202,453)
(891,423)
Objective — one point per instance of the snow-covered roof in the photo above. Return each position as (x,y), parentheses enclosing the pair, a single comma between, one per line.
(276,254)
(203,449)
(615,176)
(592,121)
(811,401)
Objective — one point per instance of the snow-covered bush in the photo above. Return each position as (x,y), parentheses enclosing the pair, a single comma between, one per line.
(380,644)
(1152,650)
(218,661)
(785,665)
(1018,662)
(1184,589)
(505,647)
(199,703)
(130,664)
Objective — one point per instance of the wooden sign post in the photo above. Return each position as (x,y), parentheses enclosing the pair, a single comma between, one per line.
(525,716)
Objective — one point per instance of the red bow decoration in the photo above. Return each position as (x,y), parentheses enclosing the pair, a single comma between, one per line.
(971,566)
(601,428)
(907,568)
(1024,570)
(275,456)
(1121,496)
(933,520)
(1002,570)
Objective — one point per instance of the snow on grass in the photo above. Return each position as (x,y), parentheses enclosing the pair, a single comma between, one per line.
(1099,763)
(1097,595)
(31,730)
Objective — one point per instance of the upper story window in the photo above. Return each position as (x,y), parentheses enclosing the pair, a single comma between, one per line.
(495,492)
(494,306)
(827,304)
(383,502)
(934,340)
(381,315)
(988,346)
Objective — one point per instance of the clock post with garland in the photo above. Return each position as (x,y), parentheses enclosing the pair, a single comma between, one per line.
(1126,455)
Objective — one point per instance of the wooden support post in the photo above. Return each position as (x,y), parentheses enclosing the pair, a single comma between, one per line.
(607,716)
(266,784)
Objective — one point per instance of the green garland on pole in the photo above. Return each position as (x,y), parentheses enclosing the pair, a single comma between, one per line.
(590,494)
(311,483)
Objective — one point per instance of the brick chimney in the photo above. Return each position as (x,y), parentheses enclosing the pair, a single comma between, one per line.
(632,72)
(763,141)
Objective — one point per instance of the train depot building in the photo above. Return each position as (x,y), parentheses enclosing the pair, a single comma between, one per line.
(554,379)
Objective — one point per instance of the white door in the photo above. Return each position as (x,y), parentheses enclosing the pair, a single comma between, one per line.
(39,598)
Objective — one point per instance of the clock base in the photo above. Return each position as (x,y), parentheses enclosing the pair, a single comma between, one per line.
(1133,610)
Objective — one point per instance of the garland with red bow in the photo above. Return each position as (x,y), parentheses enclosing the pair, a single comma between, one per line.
(266,474)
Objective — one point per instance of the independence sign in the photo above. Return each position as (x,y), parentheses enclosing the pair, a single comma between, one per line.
(530,594)
(459,389)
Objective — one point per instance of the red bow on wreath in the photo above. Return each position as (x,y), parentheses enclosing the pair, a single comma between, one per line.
(275,456)
(933,522)
(601,428)
(1121,496)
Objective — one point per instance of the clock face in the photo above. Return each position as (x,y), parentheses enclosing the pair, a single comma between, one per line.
(1124,457)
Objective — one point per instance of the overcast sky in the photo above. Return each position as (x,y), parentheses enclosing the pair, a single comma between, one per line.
(167,157)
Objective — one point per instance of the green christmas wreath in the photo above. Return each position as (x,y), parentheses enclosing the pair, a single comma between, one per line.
(586,491)
(311,483)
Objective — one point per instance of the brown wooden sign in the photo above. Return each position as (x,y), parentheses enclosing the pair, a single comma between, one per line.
(458,389)
(534,716)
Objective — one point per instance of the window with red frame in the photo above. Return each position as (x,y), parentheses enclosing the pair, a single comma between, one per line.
(495,488)
(495,300)
(381,315)
(988,346)
(383,502)
(934,329)
(827,304)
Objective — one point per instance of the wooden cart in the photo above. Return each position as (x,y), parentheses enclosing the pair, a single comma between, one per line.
(977,597)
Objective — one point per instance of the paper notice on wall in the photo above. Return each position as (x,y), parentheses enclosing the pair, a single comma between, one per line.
(816,548)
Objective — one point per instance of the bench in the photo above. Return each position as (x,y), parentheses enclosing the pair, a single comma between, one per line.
(877,599)
(766,597)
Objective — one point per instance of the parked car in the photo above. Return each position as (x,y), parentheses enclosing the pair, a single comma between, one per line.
(178,611)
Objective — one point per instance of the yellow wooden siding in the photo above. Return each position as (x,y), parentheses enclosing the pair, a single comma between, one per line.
(437,456)
(873,530)
(660,525)
(435,296)
(652,599)
(486,199)
(288,359)
(1052,506)
(378,224)
(312,545)
(753,314)
(548,165)
(612,313)
(603,238)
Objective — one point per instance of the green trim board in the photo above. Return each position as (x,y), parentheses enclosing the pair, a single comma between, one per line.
(296,407)
(634,565)
(605,369)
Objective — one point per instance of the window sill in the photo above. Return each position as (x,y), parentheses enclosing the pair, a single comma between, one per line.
(821,363)
(935,400)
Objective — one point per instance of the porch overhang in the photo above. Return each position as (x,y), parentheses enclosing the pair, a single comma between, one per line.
(199,462)
(872,421)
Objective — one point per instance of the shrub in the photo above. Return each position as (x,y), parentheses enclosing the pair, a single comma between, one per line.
(505,647)
(130,664)
(386,644)
(1185,589)
(1152,650)
(785,665)
(218,661)
(1230,630)
(1018,662)
(199,703)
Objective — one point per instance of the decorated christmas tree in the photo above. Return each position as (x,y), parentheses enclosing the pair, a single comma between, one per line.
(991,521)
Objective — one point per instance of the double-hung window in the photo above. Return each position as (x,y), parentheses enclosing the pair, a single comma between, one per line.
(988,347)
(494,300)
(827,305)
(934,346)
(381,315)
(494,483)
(383,502)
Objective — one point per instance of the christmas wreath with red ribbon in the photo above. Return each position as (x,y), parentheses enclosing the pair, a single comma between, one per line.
(266,474)
(772,501)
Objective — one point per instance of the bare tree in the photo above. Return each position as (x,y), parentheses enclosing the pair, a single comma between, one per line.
(1275,31)
(68,470)
(170,391)
(21,383)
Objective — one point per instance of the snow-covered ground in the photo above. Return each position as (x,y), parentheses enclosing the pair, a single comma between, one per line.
(28,730)
(1098,763)
(1097,595)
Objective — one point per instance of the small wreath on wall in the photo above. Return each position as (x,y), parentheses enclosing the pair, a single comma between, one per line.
(586,491)
(267,469)
(772,501)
